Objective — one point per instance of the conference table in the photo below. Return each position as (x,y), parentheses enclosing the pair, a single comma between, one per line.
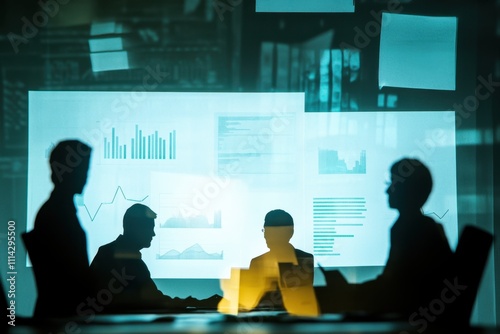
(213,322)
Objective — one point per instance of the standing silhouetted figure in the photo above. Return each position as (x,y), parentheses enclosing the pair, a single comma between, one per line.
(419,254)
(57,245)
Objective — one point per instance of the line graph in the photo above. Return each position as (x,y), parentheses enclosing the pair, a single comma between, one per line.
(118,189)
(435,214)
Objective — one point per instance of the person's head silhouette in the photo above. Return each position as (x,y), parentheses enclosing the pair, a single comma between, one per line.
(138,225)
(69,164)
(411,185)
(278,228)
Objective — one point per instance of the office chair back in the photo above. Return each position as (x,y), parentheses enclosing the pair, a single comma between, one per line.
(464,278)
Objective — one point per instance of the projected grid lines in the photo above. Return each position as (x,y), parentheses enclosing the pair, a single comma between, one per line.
(142,147)
(327,211)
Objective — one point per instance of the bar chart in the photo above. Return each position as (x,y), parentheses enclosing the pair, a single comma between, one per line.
(329,162)
(142,146)
(330,215)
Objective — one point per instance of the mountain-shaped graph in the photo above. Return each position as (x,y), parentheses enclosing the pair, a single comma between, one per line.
(195,252)
(118,189)
(198,221)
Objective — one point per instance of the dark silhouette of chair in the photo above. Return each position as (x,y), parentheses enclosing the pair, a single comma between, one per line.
(449,300)
(466,272)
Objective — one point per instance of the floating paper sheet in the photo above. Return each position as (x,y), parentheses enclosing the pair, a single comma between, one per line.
(418,51)
(305,6)
(110,61)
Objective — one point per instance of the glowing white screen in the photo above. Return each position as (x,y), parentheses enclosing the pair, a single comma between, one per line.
(303,6)
(216,163)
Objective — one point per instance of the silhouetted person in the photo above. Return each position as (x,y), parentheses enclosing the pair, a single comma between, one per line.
(419,253)
(136,289)
(57,245)
(282,278)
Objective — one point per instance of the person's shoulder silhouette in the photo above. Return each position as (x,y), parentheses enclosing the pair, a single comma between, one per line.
(122,258)
(58,244)
(410,187)
(282,262)
(419,251)
(120,261)
(418,257)
(278,230)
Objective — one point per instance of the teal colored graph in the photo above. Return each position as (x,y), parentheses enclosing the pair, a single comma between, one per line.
(329,162)
(119,189)
(141,146)
(435,214)
(195,252)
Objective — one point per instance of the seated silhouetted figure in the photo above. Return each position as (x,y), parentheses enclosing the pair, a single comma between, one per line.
(57,245)
(136,290)
(419,252)
(284,274)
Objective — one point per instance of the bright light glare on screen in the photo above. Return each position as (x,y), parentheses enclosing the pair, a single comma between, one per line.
(211,165)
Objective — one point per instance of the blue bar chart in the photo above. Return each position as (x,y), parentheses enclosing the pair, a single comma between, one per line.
(329,162)
(333,218)
(142,146)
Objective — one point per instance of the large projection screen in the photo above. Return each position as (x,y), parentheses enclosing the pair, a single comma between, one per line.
(211,165)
